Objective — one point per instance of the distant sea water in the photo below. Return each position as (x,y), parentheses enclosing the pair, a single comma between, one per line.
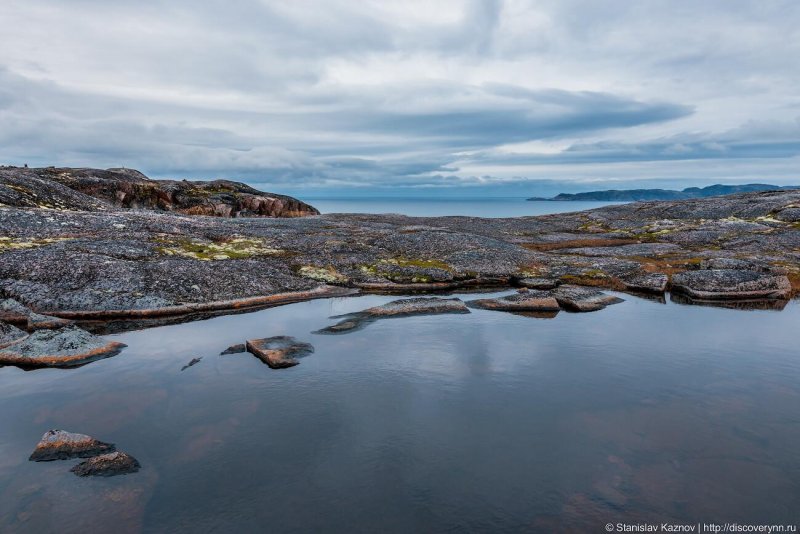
(474,207)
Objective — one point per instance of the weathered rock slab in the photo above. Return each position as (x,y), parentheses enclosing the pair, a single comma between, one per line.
(62,445)
(583,299)
(279,352)
(66,347)
(731,284)
(396,308)
(107,465)
(529,301)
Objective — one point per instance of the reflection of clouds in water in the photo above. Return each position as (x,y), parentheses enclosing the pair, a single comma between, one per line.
(434,420)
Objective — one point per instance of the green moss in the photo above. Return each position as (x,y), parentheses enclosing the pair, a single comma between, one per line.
(421,263)
(233,249)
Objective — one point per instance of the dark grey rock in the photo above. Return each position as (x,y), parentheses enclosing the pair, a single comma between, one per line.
(192,362)
(234,349)
(107,465)
(62,445)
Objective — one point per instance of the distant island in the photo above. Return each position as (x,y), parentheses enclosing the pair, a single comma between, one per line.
(631,195)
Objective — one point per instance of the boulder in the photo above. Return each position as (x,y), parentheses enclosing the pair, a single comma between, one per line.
(66,347)
(62,445)
(583,299)
(529,301)
(731,284)
(10,334)
(396,308)
(279,352)
(107,465)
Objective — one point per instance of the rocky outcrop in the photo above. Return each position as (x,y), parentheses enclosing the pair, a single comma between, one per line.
(529,301)
(37,321)
(62,445)
(135,264)
(97,189)
(583,299)
(107,465)
(66,347)
(279,352)
(397,308)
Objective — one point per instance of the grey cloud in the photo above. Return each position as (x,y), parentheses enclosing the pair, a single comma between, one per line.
(371,93)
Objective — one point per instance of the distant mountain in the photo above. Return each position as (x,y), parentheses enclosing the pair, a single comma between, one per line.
(631,195)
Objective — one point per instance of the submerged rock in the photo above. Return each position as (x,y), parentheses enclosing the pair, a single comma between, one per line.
(396,308)
(62,445)
(529,301)
(10,334)
(279,352)
(66,347)
(733,284)
(583,299)
(107,465)
(234,349)
(192,362)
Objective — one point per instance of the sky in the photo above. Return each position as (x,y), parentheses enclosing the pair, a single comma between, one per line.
(411,98)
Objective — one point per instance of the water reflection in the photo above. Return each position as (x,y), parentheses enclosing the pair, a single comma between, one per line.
(488,421)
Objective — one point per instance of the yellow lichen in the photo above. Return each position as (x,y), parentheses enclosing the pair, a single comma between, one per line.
(233,249)
(328,275)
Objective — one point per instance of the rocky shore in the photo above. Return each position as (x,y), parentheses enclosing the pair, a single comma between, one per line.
(93,257)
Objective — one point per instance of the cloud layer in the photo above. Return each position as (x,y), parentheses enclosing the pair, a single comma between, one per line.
(377,96)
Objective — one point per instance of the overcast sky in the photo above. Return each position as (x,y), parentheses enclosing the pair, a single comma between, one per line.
(412,97)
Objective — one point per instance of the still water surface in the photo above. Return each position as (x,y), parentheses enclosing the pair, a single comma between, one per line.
(487,422)
(480,207)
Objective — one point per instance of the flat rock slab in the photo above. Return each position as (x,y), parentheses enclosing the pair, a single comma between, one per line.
(66,347)
(530,301)
(396,308)
(731,284)
(537,283)
(107,465)
(62,445)
(583,299)
(10,334)
(646,283)
(279,352)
